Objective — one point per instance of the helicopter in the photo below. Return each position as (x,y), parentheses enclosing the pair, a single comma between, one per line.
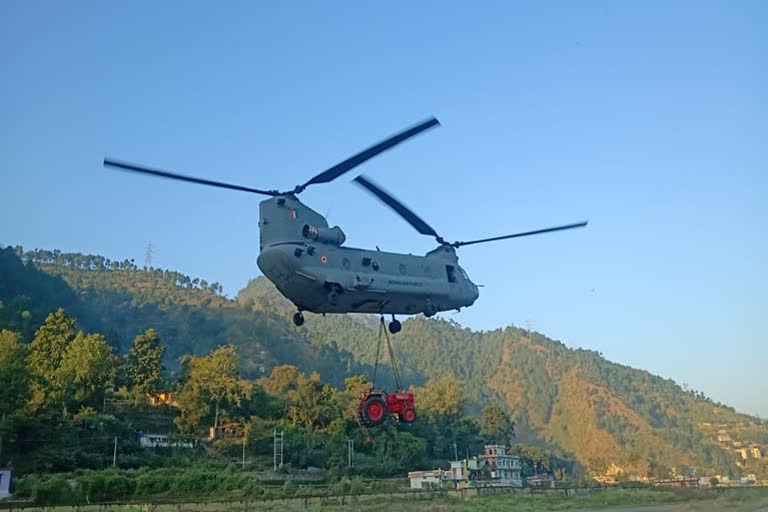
(310,265)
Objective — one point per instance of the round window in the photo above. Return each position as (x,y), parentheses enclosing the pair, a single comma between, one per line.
(403,270)
(346,263)
(428,271)
(375,266)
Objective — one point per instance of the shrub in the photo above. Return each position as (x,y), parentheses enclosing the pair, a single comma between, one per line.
(120,486)
(94,488)
(154,482)
(54,491)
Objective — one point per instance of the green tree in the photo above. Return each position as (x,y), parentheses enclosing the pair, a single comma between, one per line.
(536,460)
(311,403)
(46,354)
(349,398)
(88,368)
(14,377)
(441,395)
(497,425)
(210,382)
(145,363)
(282,381)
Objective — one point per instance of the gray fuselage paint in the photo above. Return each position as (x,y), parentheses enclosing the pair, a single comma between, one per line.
(309,271)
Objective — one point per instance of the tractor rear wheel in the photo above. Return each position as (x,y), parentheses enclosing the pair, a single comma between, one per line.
(372,410)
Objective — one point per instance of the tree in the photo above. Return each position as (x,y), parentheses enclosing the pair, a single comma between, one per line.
(14,378)
(46,354)
(311,403)
(441,395)
(282,381)
(536,460)
(88,368)
(349,399)
(145,363)
(497,425)
(192,408)
(211,381)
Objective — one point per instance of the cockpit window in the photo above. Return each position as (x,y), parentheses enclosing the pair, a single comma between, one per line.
(451,271)
(463,274)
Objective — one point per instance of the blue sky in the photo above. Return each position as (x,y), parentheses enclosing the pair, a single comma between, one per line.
(647,118)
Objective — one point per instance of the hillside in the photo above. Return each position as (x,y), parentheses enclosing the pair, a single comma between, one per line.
(122,301)
(610,417)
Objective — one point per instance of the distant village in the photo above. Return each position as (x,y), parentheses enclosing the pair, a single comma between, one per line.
(495,467)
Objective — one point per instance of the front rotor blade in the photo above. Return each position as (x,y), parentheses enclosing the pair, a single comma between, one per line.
(516,235)
(352,162)
(165,174)
(412,219)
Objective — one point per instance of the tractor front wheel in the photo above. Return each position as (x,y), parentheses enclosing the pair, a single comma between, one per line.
(408,415)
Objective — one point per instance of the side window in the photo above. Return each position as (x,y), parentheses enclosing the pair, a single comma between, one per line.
(451,271)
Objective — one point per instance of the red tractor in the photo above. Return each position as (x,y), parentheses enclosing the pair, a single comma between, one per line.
(375,405)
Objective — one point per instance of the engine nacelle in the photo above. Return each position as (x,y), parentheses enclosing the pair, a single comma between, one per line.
(334,236)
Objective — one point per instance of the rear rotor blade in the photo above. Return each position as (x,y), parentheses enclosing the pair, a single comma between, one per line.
(165,174)
(527,233)
(352,162)
(412,219)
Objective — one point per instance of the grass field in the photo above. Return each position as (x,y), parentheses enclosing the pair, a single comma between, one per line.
(618,500)
(738,500)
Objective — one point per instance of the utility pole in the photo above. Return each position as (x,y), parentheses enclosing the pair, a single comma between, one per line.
(114,453)
(455,452)
(350,452)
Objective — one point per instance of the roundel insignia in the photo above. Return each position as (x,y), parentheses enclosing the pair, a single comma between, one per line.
(324,259)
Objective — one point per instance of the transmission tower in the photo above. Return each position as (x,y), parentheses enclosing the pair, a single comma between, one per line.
(277,448)
(148,258)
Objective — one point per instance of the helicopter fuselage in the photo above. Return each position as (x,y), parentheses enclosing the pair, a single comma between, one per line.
(307,262)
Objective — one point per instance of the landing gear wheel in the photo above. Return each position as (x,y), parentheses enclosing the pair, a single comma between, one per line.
(298,319)
(395,326)
(373,410)
(407,416)
(333,298)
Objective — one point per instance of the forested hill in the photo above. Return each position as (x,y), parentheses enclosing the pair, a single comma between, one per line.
(611,417)
(121,300)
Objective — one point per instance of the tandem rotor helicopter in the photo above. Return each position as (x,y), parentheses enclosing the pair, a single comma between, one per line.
(309,264)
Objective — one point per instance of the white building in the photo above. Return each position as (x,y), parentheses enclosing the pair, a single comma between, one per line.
(504,469)
(494,467)
(427,479)
(5,483)
(162,441)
